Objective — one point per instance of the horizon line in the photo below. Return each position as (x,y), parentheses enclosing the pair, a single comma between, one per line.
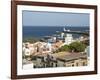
(53,26)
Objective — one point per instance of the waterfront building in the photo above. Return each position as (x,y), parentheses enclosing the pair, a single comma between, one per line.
(62,35)
(68,39)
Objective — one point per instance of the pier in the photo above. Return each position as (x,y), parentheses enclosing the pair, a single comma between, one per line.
(74,32)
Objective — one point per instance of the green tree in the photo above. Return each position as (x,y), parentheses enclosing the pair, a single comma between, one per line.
(64,48)
(77,47)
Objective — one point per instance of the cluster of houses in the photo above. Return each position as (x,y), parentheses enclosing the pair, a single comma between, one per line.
(48,60)
(41,53)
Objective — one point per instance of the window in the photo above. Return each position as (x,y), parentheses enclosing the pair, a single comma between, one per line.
(76,64)
(72,65)
(34,66)
(56,65)
(44,65)
(52,64)
(84,64)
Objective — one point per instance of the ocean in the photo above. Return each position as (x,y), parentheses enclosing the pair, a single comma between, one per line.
(40,31)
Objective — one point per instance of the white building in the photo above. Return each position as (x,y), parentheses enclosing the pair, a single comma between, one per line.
(87,50)
(68,39)
(62,35)
(49,47)
(26,51)
(54,39)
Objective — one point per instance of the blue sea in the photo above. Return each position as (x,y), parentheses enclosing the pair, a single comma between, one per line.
(40,31)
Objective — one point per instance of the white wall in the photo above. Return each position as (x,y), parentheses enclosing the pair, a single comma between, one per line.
(5,50)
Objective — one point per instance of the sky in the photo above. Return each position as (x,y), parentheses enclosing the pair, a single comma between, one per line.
(33,18)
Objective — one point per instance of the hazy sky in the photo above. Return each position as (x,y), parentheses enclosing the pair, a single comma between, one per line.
(32,18)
